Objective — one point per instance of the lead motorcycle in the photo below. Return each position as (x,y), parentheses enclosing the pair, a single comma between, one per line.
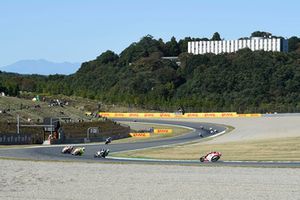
(102,153)
(211,157)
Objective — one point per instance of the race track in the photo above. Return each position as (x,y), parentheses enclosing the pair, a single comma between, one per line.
(53,152)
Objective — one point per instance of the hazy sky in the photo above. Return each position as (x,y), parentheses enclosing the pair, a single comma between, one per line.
(80,30)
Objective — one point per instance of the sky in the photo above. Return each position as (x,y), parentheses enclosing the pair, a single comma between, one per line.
(80,30)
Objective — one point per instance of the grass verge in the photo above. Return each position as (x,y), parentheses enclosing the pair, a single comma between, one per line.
(176,132)
(279,149)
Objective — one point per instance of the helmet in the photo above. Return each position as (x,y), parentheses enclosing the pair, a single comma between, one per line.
(83,148)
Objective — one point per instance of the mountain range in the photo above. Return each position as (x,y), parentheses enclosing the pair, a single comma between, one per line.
(42,67)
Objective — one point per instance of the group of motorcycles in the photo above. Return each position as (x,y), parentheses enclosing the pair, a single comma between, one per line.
(79,151)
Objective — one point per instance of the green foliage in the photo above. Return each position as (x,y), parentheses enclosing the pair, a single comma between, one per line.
(294,43)
(244,81)
(146,46)
(261,34)
(172,48)
(108,57)
(216,37)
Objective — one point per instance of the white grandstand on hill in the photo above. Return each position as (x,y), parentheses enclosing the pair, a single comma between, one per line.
(230,46)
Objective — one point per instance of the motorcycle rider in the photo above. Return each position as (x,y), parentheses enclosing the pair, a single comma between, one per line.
(108,140)
(102,151)
(105,153)
(82,150)
(78,151)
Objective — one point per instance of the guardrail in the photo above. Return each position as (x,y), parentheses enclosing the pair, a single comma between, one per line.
(16,139)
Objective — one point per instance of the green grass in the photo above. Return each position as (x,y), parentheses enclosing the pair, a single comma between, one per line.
(177,131)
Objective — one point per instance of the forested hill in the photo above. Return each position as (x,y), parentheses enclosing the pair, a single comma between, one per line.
(245,81)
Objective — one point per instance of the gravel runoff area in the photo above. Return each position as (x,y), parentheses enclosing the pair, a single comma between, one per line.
(62,180)
(255,128)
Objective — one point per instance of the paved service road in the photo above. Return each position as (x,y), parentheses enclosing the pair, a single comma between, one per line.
(53,152)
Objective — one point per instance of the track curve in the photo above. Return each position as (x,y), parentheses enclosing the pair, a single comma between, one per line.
(53,152)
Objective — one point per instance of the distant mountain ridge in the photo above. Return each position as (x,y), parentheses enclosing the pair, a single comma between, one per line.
(42,67)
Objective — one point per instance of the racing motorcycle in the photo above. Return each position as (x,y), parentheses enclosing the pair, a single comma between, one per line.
(102,153)
(78,151)
(67,149)
(108,140)
(211,157)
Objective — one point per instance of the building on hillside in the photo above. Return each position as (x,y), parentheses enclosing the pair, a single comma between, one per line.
(230,46)
(172,58)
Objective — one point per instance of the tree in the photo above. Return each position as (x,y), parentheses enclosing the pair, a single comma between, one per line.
(261,34)
(183,44)
(216,37)
(145,47)
(172,47)
(107,57)
(294,43)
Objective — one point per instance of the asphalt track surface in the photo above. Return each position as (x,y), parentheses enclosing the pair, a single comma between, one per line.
(53,153)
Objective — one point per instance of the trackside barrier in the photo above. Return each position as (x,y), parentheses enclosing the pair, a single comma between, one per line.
(15,139)
(176,115)
(250,115)
(139,134)
(163,131)
(168,115)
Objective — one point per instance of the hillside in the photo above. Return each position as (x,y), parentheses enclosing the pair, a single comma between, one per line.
(76,116)
(34,111)
(139,77)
